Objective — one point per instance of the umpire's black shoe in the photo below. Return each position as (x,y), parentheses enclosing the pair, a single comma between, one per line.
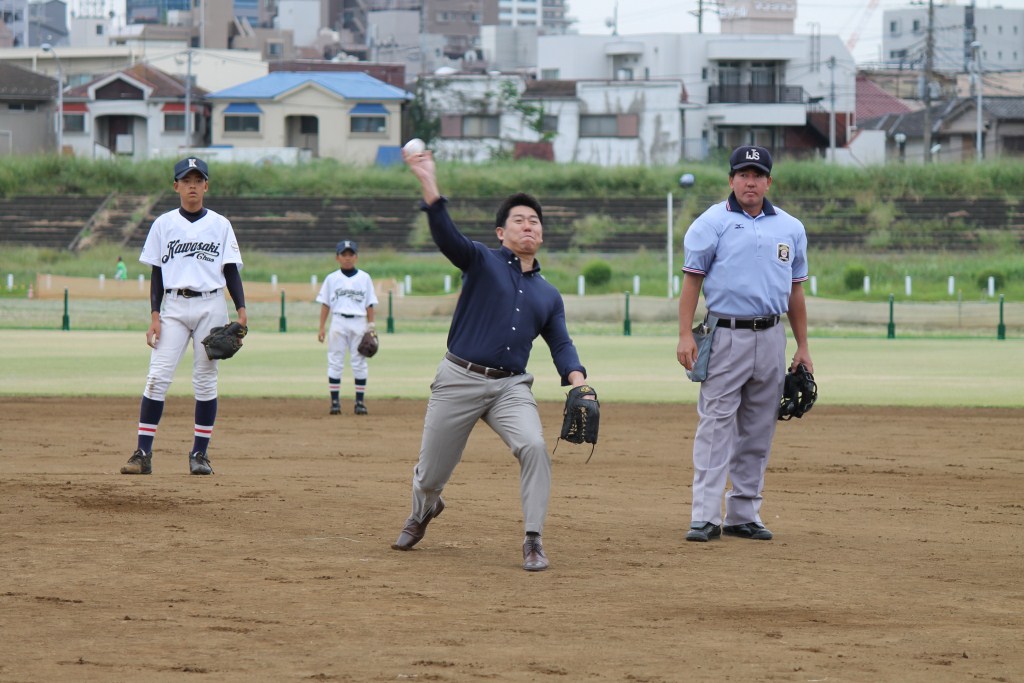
(414,531)
(335,408)
(703,531)
(198,463)
(139,463)
(361,409)
(751,530)
(534,559)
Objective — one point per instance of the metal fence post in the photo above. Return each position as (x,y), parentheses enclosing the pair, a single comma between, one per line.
(284,321)
(391,318)
(1001,330)
(626,327)
(66,322)
(892,323)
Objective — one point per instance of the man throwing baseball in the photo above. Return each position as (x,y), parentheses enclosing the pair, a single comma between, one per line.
(750,258)
(505,304)
(194,256)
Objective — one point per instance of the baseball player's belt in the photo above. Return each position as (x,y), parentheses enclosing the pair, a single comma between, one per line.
(493,373)
(189,293)
(749,323)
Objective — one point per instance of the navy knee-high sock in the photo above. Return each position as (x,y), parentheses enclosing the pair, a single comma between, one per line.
(206,415)
(149,417)
(334,386)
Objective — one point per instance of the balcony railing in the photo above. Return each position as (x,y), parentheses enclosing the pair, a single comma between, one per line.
(755,94)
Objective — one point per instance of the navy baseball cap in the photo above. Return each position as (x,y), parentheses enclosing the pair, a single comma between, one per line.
(751,155)
(182,168)
(348,245)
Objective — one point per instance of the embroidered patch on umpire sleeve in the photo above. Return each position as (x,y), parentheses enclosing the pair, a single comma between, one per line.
(782,252)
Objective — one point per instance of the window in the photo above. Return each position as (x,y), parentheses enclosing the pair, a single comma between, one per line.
(174,123)
(241,124)
(609,125)
(369,124)
(917,25)
(21,106)
(275,49)
(549,74)
(99,29)
(894,28)
(480,127)
(74,123)
(549,124)
(368,117)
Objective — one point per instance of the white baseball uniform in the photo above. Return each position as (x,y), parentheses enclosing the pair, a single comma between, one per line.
(347,297)
(191,257)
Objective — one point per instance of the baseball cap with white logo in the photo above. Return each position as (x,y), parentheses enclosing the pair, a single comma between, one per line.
(750,155)
(182,168)
(348,245)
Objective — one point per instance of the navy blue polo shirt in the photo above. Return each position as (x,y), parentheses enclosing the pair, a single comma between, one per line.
(501,309)
(749,263)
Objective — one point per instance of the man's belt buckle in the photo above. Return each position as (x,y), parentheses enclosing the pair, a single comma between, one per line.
(763,323)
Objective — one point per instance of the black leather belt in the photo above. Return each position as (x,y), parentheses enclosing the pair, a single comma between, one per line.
(189,293)
(749,323)
(493,373)
(346,315)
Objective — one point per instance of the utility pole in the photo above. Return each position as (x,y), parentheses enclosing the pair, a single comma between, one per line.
(188,102)
(929,53)
(832,111)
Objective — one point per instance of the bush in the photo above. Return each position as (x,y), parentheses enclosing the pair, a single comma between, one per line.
(597,273)
(983,277)
(853,277)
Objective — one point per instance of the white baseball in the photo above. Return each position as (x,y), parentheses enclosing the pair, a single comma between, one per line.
(414,146)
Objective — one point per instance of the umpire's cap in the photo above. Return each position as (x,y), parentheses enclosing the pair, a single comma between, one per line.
(348,245)
(750,155)
(183,167)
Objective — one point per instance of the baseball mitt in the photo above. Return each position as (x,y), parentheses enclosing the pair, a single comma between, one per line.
(581,418)
(369,344)
(798,394)
(224,341)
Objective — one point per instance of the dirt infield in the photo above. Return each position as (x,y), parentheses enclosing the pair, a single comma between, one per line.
(897,556)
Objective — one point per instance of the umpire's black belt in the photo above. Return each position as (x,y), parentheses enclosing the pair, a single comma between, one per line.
(189,293)
(749,323)
(493,373)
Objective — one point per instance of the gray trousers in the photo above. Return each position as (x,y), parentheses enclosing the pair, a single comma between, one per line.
(458,399)
(738,409)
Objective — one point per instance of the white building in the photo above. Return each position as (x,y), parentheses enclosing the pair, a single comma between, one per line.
(775,90)
(1000,32)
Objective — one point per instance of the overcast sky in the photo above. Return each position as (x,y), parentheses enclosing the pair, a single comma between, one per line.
(835,17)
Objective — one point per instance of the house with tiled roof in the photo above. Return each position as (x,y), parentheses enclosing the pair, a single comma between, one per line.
(137,112)
(348,116)
(954,130)
(27,110)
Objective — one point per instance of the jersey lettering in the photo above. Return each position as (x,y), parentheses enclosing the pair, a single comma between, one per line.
(356,295)
(201,251)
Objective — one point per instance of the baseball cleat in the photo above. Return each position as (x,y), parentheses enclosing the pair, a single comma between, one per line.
(139,463)
(335,408)
(703,532)
(198,463)
(361,409)
(751,530)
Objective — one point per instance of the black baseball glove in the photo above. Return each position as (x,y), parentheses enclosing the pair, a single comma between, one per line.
(224,341)
(581,417)
(798,394)
(369,344)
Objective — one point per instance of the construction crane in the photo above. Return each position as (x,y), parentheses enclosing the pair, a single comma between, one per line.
(851,42)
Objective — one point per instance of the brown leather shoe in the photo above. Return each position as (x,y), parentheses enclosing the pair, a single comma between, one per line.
(414,531)
(534,559)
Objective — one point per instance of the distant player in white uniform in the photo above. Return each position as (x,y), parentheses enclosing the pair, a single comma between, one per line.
(195,257)
(348,298)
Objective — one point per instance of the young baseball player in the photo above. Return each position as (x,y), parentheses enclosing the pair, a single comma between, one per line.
(194,256)
(347,296)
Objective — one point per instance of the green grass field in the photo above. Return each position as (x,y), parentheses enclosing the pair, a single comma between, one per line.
(903,372)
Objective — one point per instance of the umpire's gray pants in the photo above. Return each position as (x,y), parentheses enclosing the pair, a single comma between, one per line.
(458,398)
(738,409)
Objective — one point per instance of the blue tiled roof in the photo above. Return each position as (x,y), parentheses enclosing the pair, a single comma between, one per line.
(353,85)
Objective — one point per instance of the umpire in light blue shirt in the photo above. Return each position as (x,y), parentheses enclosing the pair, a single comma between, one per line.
(505,304)
(750,258)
